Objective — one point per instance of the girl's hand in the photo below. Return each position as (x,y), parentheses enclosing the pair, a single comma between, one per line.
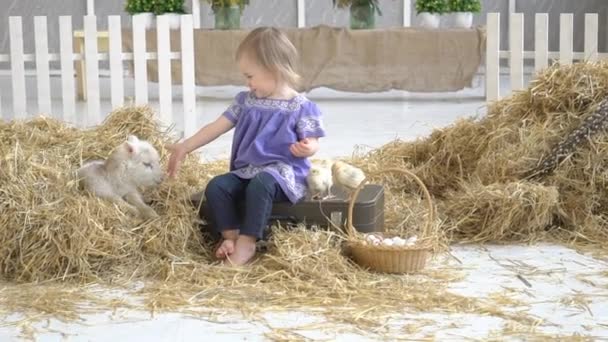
(305,147)
(178,154)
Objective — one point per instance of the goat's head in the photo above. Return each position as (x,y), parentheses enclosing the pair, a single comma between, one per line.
(142,162)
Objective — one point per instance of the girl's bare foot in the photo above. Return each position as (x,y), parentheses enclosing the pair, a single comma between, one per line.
(227,246)
(225,249)
(244,251)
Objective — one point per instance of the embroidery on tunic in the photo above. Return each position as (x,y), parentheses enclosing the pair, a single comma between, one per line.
(235,109)
(282,169)
(309,124)
(291,105)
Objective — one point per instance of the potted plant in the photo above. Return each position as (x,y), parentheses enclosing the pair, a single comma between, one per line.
(171,8)
(362,12)
(142,8)
(429,12)
(228,13)
(463,11)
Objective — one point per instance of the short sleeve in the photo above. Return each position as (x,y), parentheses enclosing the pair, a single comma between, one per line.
(310,122)
(234,111)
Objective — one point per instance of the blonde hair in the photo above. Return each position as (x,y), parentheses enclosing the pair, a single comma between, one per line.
(272,50)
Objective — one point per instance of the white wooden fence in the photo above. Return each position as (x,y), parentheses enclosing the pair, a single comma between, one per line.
(116,57)
(541,55)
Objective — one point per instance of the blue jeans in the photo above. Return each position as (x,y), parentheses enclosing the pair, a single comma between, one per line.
(226,195)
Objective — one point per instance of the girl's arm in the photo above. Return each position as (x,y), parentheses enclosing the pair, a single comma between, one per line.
(309,129)
(208,133)
(204,136)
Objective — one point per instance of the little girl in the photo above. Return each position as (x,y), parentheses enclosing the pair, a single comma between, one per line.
(276,130)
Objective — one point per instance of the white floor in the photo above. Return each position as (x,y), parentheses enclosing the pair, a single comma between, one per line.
(567,292)
(555,273)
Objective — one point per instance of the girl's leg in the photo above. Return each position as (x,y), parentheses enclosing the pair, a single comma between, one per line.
(222,194)
(262,191)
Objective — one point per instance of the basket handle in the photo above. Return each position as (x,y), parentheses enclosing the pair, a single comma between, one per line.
(349,224)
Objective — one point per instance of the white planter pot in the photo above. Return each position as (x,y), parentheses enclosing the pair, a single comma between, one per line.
(174,20)
(428,20)
(149,18)
(447,20)
(462,19)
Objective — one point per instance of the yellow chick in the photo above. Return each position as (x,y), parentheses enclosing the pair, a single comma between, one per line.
(346,175)
(319,180)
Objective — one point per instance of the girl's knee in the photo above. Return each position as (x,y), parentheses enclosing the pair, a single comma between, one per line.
(215,186)
(262,183)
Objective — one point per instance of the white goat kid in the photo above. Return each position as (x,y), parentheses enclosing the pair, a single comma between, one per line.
(131,166)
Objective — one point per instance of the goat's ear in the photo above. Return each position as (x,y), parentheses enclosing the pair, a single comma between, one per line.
(131,147)
(131,144)
(132,139)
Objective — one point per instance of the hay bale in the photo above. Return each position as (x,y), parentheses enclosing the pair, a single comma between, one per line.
(49,229)
(442,160)
(500,212)
(582,181)
(497,150)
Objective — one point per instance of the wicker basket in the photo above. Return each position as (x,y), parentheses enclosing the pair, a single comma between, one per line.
(390,259)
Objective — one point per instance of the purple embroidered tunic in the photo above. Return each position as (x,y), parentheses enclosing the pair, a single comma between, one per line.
(264,130)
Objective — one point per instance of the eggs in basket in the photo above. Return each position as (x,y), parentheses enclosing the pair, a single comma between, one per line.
(377,240)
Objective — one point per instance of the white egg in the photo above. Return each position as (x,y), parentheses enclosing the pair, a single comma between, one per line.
(373,239)
(411,241)
(387,242)
(399,241)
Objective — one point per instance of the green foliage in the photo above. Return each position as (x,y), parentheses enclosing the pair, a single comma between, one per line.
(155,6)
(215,4)
(431,6)
(348,3)
(169,6)
(464,5)
(139,6)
